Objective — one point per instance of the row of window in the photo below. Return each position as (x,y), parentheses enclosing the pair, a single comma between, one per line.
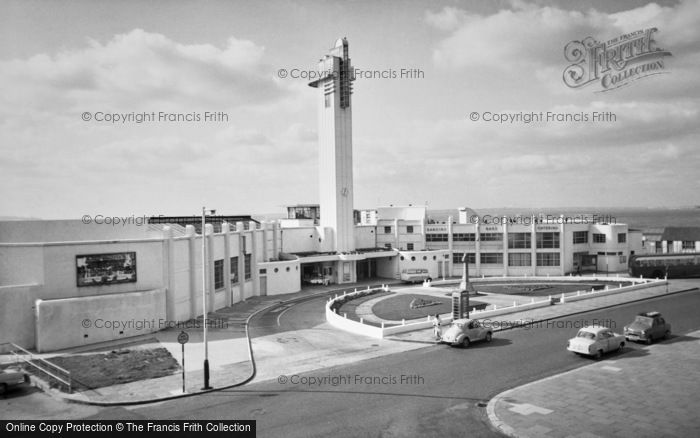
(457,237)
(523,240)
(233,262)
(514,259)
(409,229)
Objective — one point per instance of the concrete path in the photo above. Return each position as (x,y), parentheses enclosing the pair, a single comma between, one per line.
(649,394)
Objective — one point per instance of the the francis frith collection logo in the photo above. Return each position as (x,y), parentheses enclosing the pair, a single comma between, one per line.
(614,63)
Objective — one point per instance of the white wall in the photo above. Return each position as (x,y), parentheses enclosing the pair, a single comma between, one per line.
(69,322)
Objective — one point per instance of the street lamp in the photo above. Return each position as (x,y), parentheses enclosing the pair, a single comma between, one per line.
(204,296)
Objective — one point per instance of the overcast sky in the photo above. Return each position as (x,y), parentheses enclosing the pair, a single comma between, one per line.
(413,139)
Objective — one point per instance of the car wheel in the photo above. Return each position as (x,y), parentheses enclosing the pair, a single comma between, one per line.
(598,355)
(667,335)
(3,388)
(649,340)
(621,347)
(488,337)
(465,342)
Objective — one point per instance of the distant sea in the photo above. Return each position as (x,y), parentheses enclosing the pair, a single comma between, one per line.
(644,219)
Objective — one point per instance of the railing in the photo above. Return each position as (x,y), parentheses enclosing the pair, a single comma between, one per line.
(61,375)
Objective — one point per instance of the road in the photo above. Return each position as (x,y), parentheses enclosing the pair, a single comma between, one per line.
(441,390)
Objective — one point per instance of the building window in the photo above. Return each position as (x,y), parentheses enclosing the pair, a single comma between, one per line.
(387,245)
(519,240)
(519,259)
(457,258)
(413,259)
(440,237)
(491,258)
(218,274)
(491,237)
(688,244)
(464,237)
(243,244)
(598,238)
(409,246)
(623,259)
(387,230)
(246,264)
(548,240)
(233,262)
(548,259)
(264,270)
(621,237)
(409,229)
(580,237)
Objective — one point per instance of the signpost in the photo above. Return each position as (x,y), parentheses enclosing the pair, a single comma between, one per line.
(182,338)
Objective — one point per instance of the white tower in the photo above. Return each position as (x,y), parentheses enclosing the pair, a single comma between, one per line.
(335,145)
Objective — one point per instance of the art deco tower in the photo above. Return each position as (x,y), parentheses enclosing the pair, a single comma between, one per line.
(335,145)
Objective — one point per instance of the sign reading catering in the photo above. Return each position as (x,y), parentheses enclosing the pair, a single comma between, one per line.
(615,63)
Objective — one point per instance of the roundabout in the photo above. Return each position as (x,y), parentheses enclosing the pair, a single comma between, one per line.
(409,305)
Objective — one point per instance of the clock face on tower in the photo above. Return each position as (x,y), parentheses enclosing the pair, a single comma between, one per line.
(344,191)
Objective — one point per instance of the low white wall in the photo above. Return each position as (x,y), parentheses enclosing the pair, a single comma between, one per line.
(380,332)
(574,296)
(71,322)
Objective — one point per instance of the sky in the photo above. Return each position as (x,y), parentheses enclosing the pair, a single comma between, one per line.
(413,138)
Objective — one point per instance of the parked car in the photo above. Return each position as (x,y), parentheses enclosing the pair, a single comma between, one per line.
(10,377)
(465,331)
(648,326)
(415,275)
(595,341)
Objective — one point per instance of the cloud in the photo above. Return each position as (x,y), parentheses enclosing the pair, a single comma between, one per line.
(447,19)
(141,71)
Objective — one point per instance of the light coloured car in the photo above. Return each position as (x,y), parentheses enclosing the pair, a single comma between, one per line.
(415,275)
(465,331)
(10,377)
(596,341)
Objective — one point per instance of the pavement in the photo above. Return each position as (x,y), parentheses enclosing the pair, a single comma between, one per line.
(533,411)
(648,393)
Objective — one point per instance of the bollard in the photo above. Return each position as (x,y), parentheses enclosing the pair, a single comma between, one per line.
(515,304)
(345,315)
(473,309)
(578,293)
(382,325)
(362,320)
(606,287)
(620,285)
(533,300)
(563,298)
(345,292)
(403,322)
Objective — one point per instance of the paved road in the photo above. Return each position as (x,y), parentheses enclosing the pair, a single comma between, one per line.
(441,389)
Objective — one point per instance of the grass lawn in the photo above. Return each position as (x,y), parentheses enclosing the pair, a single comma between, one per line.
(398,307)
(120,366)
(540,289)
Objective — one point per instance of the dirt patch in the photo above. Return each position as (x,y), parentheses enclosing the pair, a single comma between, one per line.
(92,371)
(398,307)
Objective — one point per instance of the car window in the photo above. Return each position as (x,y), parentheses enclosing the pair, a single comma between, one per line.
(586,335)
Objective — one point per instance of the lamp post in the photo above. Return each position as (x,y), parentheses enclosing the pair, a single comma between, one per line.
(204,297)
